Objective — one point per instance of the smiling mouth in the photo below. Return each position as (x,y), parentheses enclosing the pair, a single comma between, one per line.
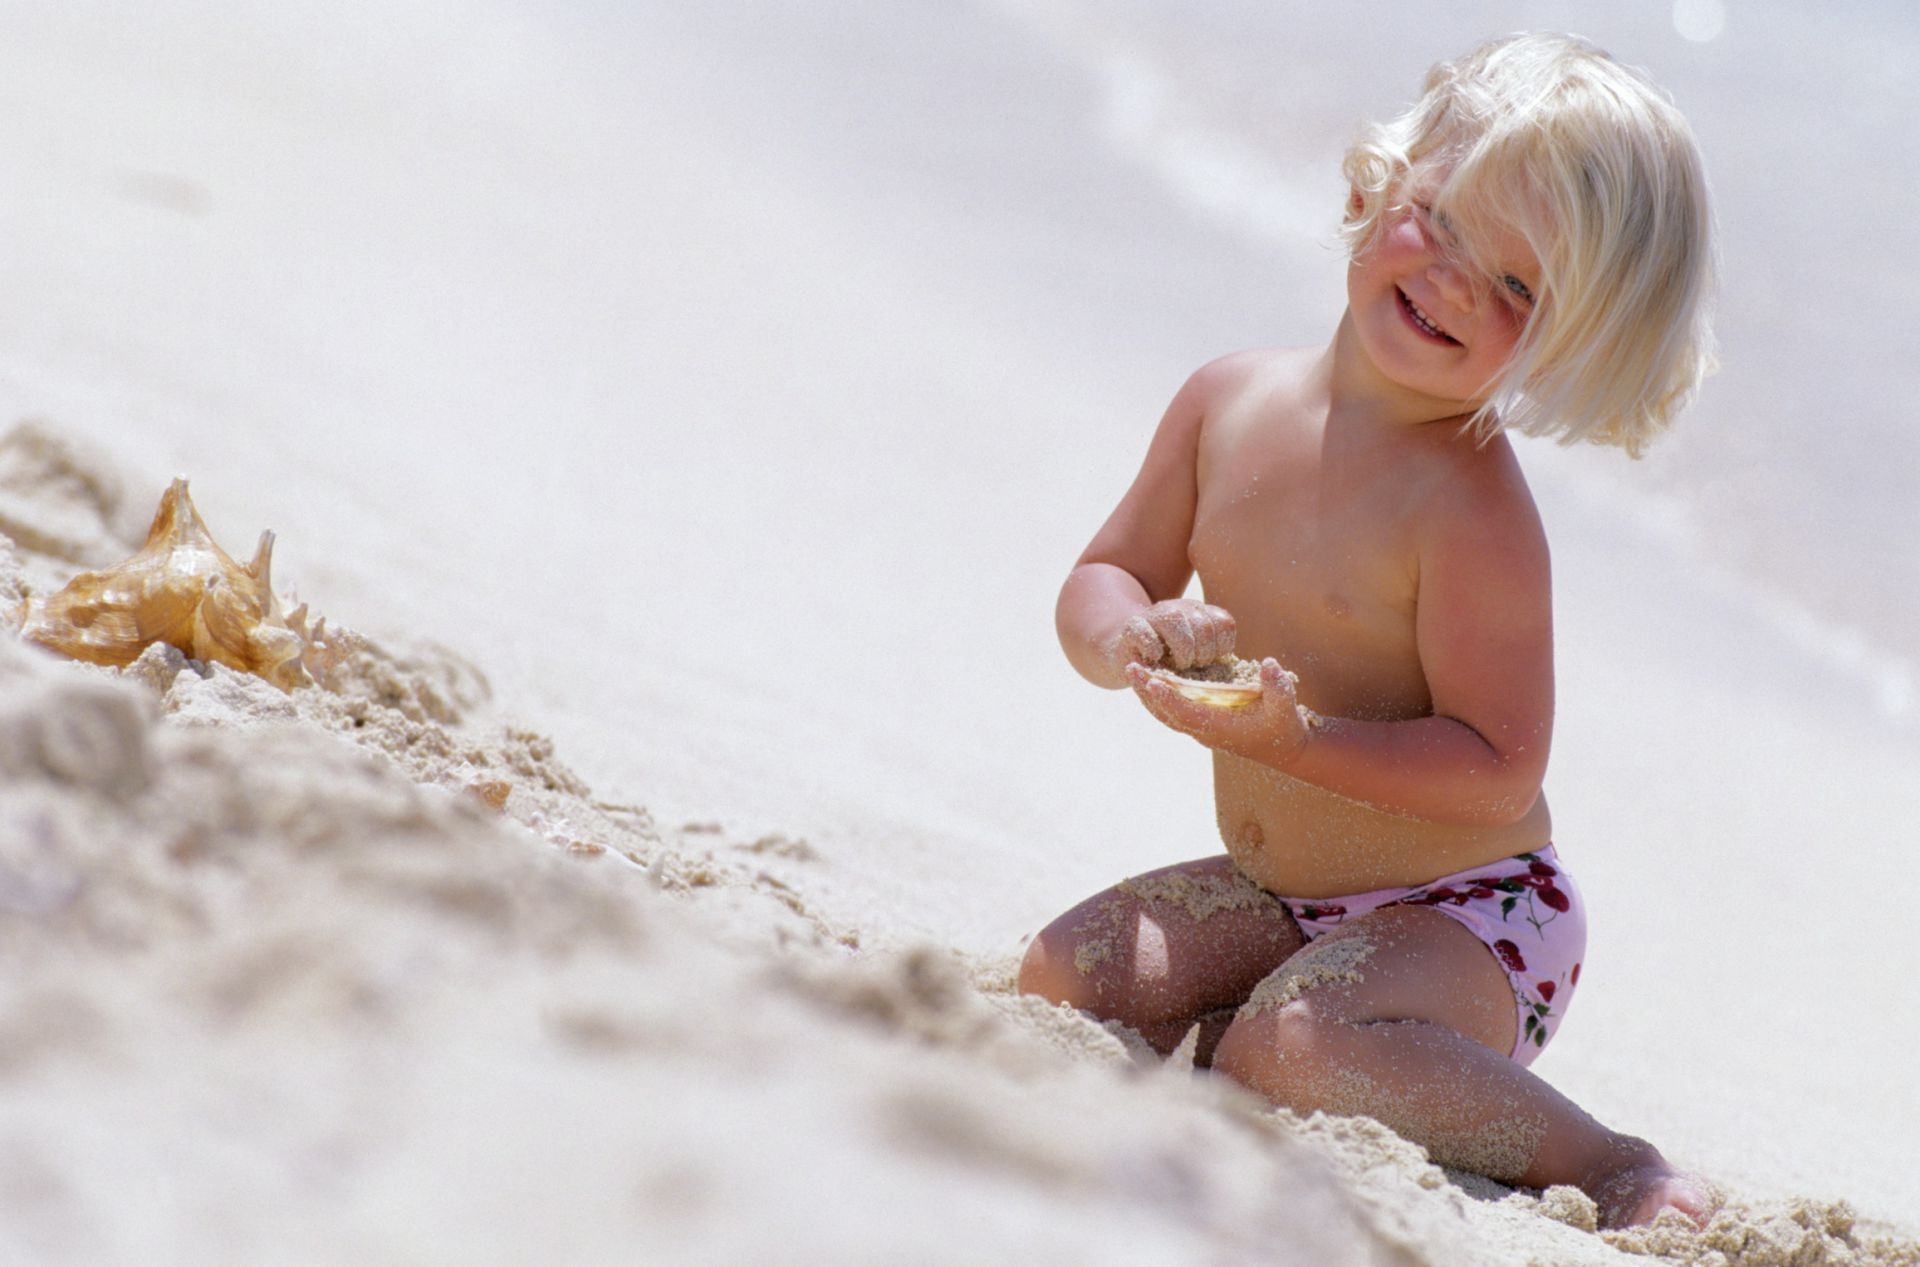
(1419,320)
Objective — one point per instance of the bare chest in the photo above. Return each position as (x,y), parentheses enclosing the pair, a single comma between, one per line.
(1316,561)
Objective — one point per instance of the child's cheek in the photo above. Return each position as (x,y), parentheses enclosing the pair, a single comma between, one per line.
(1504,325)
(1403,235)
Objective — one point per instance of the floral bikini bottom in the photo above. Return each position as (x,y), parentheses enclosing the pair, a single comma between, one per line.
(1525,909)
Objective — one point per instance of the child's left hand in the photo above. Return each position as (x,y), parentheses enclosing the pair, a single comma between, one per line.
(1272,731)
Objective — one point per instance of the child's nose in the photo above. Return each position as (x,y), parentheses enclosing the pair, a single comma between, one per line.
(1451,281)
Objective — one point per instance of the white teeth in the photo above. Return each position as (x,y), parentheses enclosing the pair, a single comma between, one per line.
(1423,320)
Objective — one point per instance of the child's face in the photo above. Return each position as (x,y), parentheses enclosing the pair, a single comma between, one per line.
(1428,321)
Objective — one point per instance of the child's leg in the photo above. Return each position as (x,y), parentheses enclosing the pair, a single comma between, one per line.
(1404,1016)
(1164,950)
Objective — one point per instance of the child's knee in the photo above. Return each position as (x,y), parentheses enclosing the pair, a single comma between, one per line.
(1280,1052)
(1045,971)
(1086,958)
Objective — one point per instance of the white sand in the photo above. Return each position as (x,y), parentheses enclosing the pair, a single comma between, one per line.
(625,379)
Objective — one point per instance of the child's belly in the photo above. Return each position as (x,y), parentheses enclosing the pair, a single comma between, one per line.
(1298,840)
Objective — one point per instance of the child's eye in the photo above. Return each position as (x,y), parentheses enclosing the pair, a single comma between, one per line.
(1518,289)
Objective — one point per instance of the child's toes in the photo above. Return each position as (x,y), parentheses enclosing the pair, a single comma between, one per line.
(1638,1194)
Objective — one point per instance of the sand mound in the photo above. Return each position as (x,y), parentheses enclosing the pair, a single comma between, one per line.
(369,974)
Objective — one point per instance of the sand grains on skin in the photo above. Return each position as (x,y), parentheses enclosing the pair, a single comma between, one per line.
(1501,1149)
(1198,895)
(1327,961)
(1201,896)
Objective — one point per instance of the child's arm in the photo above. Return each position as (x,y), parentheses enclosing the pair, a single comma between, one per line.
(1121,603)
(1484,631)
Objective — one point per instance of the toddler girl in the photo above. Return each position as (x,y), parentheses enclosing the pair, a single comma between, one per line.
(1391,930)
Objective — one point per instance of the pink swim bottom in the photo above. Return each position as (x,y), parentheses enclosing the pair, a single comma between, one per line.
(1525,909)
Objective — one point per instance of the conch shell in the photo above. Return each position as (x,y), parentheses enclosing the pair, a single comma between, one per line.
(184,589)
(1230,683)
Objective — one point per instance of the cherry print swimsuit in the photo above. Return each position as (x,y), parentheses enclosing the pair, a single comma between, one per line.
(1525,909)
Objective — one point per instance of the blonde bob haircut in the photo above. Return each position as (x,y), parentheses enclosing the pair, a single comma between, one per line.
(1549,138)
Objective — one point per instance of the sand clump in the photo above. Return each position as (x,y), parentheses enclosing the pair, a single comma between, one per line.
(1232,670)
(1201,895)
(209,916)
(1090,954)
(1326,961)
(1792,1233)
(1563,1204)
(62,504)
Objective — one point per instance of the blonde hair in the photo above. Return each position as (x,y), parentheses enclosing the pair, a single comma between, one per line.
(1549,138)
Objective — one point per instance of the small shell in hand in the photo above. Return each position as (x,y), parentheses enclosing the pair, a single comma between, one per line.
(183,589)
(1229,683)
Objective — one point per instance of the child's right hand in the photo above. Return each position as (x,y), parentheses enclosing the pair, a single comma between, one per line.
(1180,633)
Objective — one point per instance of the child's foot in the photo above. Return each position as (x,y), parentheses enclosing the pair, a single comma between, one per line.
(1636,1183)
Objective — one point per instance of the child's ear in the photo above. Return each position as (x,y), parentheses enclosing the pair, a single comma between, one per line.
(1355,203)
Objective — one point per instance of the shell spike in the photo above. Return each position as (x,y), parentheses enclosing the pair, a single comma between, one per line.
(177,519)
(262,559)
(172,503)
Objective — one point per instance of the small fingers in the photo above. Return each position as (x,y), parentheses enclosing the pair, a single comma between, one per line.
(1213,634)
(1184,634)
(1161,700)
(1143,684)
(1177,630)
(1141,643)
(1278,687)
(1206,635)
(1224,633)
(1149,688)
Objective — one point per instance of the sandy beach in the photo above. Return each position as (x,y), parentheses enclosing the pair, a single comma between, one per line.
(693,413)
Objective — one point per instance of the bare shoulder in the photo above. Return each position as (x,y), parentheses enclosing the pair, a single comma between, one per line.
(1227,380)
(1483,505)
